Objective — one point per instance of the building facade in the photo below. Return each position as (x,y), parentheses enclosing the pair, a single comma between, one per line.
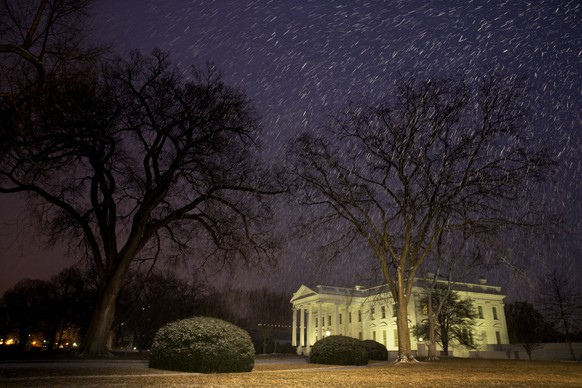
(369,313)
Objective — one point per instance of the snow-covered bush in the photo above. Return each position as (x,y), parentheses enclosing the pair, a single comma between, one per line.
(338,350)
(376,351)
(200,344)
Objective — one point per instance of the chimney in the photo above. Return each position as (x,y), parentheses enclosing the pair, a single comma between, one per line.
(482,280)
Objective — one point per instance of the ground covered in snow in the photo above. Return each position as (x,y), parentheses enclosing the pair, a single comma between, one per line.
(295,372)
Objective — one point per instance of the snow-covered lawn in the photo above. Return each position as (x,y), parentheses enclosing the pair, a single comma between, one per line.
(297,373)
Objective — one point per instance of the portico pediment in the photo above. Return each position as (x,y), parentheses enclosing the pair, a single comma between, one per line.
(302,292)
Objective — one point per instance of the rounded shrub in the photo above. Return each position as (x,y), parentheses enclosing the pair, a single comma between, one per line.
(338,350)
(201,344)
(376,351)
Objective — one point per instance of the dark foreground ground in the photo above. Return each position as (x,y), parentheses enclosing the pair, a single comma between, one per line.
(291,371)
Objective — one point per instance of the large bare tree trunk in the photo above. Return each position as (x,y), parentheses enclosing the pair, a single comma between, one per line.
(431,342)
(404,350)
(95,340)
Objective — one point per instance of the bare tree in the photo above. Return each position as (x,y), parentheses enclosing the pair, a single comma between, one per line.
(149,300)
(138,161)
(269,313)
(437,273)
(561,303)
(433,157)
(526,326)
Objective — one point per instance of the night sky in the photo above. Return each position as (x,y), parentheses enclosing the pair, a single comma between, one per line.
(297,60)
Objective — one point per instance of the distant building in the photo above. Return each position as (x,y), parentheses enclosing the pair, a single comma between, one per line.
(368,313)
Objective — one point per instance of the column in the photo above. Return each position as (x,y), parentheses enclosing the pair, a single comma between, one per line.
(301,327)
(336,326)
(320,329)
(294,328)
(364,323)
(349,324)
(311,328)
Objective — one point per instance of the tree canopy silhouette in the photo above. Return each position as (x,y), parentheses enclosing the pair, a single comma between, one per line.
(136,160)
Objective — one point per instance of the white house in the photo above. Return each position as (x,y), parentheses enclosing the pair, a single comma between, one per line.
(368,313)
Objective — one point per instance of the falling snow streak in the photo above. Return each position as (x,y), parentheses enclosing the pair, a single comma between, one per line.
(298,60)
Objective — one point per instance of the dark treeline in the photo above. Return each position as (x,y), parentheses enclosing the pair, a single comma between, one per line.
(531,327)
(53,315)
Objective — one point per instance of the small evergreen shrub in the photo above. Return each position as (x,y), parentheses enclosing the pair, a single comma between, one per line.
(338,350)
(376,351)
(201,344)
